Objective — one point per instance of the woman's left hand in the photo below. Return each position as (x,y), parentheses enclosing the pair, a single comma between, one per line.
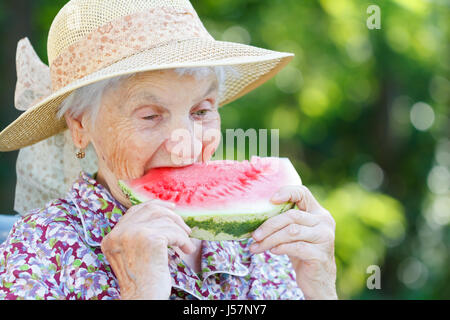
(307,237)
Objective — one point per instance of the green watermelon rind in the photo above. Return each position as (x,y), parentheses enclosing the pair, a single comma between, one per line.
(219,227)
(129,193)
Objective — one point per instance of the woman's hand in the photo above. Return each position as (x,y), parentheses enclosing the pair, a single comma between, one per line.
(307,237)
(136,248)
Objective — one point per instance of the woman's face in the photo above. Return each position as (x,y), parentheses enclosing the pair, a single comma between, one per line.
(155,119)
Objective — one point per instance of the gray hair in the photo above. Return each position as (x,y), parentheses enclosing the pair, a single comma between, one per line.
(88,99)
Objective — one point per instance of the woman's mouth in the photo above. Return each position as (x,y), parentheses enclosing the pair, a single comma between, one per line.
(184,163)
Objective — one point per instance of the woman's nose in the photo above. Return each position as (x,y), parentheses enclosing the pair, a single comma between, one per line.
(184,144)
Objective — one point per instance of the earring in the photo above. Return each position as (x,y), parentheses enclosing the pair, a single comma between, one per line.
(80,154)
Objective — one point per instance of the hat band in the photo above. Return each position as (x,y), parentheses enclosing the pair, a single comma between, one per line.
(122,38)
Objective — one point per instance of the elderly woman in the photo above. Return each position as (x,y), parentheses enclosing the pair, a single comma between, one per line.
(92,243)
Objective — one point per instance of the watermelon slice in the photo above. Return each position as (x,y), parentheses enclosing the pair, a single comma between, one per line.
(221,199)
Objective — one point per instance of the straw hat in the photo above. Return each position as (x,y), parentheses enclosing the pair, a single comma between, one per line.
(92,40)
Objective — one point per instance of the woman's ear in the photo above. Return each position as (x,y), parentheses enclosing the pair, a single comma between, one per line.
(78,130)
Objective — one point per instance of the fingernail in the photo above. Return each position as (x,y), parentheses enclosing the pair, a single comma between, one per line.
(257,235)
(173,205)
(164,203)
(276,196)
(169,205)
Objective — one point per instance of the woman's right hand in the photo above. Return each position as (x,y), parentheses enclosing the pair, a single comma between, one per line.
(136,249)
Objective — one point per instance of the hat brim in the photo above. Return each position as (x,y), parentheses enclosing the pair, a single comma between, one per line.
(255,66)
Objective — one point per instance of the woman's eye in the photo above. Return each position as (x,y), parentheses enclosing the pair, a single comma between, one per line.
(202,112)
(152,117)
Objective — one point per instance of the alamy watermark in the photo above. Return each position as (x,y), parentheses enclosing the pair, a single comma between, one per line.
(238,144)
(374,19)
(374,280)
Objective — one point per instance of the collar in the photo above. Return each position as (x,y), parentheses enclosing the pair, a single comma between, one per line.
(99,212)
(97,209)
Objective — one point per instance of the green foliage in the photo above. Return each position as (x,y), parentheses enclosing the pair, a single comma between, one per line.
(345,101)
(366,223)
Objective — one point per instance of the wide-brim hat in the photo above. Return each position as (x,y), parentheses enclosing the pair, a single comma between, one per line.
(93,40)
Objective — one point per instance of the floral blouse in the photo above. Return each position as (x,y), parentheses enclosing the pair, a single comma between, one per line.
(54,253)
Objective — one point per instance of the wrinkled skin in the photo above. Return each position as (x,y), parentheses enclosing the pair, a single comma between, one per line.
(133,134)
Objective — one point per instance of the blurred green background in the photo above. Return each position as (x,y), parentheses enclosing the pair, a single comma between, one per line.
(363,115)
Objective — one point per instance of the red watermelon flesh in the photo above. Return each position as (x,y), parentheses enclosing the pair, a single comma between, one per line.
(220,191)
